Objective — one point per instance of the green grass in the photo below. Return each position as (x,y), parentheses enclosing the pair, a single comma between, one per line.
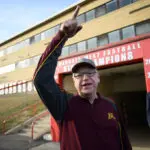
(10,104)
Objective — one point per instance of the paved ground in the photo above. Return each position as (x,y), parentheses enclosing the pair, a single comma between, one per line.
(14,142)
(47,146)
(17,142)
(140,140)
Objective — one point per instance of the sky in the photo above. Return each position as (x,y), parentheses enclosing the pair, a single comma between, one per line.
(19,15)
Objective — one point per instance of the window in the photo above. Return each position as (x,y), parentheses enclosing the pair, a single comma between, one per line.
(19,88)
(114,36)
(26,42)
(6,88)
(32,39)
(1,53)
(10,88)
(81,46)
(50,32)
(36,59)
(38,38)
(124,2)
(92,43)
(14,87)
(9,50)
(29,86)
(35,38)
(111,6)
(90,15)
(81,19)
(8,68)
(17,46)
(143,27)
(1,89)
(65,51)
(24,87)
(20,45)
(57,28)
(23,64)
(72,49)
(42,35)
(100,11)
(128,32)
(102,40)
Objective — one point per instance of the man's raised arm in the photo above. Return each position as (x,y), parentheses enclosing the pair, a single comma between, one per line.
(54,99)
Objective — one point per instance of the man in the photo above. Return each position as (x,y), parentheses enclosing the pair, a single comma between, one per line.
(88,121)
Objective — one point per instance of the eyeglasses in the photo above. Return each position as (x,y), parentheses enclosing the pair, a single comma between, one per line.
(81,74)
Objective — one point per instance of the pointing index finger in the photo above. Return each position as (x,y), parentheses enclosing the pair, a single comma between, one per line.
(76,12)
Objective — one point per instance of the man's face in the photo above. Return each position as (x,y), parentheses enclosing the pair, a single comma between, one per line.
(86,80)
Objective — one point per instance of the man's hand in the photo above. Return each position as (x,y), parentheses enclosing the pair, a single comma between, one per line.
(71,27)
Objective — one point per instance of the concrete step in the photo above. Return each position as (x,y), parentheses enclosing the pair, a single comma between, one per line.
(44,120)
(37,135)
(24,134)
(37,132)
(41,127)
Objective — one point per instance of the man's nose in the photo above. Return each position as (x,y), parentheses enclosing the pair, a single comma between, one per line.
(85,77)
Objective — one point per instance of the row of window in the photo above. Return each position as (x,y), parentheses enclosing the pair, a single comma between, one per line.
(31,40)
(85,17)
(83,46)
(111,37)
(12,88)
(21,64)
(103,9)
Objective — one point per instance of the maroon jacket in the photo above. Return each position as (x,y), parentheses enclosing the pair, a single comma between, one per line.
(83,126)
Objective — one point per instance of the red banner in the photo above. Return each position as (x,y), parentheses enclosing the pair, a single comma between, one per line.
(123,53)
(146,59)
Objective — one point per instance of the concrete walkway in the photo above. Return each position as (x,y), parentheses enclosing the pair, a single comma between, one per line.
(140,141)
(14,142)
(47,146)
(55,146)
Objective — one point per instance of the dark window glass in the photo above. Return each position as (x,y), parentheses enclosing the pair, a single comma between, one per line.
(111,6)
(102,40)
(143,28)
(90,15)
(100,11)
(114,36)
(65,51)
(81,19)
(92,43)
(72,49)
(128,32)
(81,46)
(124,2)
(32,40)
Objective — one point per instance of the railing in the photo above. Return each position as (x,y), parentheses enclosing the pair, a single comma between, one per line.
(31,107)
(38,118)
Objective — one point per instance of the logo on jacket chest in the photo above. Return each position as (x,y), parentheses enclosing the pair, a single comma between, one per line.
(111,116)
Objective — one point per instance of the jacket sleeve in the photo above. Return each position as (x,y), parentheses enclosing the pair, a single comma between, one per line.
(55,99)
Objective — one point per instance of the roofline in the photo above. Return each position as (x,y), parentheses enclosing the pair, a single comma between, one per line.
(69,8)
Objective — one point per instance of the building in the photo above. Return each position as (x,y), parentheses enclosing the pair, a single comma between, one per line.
(115,34)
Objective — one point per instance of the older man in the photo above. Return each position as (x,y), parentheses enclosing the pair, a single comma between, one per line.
(87,121)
